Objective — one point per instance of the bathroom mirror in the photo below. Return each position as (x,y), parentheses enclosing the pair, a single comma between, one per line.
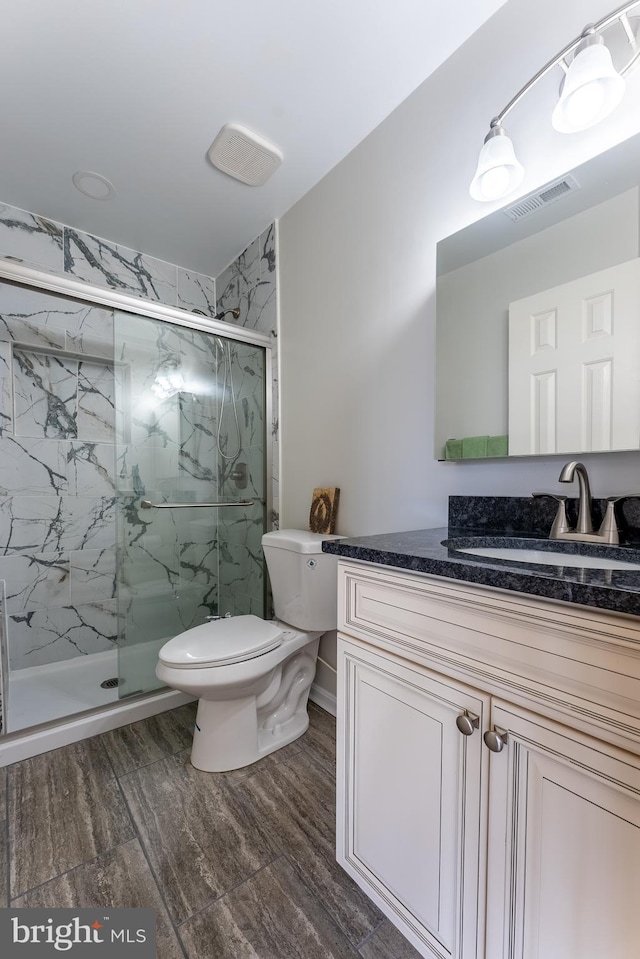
(538,319)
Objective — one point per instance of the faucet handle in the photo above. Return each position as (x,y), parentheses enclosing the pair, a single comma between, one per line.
(609,529)
(560,523)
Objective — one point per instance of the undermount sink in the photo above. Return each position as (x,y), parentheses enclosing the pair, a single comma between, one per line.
(547,557)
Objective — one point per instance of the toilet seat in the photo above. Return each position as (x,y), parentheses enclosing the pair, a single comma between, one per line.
(221,643)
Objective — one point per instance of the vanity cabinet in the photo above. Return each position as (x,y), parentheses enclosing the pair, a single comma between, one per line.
(489,767)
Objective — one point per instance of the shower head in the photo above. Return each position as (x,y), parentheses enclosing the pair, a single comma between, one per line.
(235,313)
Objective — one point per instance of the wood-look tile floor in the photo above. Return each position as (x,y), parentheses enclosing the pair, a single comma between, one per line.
(237,865)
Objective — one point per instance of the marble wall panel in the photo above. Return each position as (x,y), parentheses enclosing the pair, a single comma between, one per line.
(236,285)
(142,469)
(193,605)
(241,567)
(32,317)
(44,244)
(196,292)
(199,577)
(35,580)
(250,282)
(111,264)
(92,575)
(45,389)
(149,571)
(96,418)
(6,390)
(91,468)
(51,635)
(153,423)
(28,523)
(153,617)
(32,239)
(87,522)
(55,524)
(32,466)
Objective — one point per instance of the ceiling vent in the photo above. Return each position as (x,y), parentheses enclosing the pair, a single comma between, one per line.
(550,193)
(244,155)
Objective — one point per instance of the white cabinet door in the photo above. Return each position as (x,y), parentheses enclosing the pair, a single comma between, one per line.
(564,844)
(412,798)
(573,360)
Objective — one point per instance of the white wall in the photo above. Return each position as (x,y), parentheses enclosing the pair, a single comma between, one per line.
(357,274)
(358,281)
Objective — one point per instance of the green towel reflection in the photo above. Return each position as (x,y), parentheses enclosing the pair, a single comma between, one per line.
(476,447)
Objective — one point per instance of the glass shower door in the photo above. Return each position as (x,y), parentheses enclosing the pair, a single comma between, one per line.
(191,428)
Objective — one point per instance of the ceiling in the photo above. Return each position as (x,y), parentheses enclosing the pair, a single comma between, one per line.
(136,90)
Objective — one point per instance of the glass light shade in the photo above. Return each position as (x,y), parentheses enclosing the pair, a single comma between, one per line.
(498,172)
(592,89)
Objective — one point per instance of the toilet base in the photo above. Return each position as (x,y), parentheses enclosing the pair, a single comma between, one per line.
(232,733)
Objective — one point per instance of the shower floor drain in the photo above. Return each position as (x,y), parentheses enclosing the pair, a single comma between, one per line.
(110,683)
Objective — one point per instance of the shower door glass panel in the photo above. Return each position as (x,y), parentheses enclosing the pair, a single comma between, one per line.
(190,412)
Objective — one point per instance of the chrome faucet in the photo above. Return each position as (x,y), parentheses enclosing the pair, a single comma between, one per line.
(583,533)
(585,522)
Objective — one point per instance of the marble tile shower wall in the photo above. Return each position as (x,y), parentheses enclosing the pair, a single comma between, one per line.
(57,487)
(46,245)
(250,282)
(57,468)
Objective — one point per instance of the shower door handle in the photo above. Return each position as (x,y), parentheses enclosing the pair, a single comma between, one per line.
(146,504)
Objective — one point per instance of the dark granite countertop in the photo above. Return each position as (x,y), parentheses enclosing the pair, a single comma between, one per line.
(425,551)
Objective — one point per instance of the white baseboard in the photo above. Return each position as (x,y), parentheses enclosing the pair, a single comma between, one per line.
(323,699)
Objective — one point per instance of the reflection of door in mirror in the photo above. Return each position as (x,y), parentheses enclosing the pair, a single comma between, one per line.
(576,348)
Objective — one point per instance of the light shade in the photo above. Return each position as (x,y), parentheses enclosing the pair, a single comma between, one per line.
(498,172)
(592,89)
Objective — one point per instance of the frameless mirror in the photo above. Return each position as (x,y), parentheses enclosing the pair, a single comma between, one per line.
(538,320)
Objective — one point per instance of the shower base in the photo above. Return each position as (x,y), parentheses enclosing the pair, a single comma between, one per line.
(60,703)
(40,694)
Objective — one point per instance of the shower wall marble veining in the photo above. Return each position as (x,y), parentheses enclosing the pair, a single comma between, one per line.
(63,462)
(250,282)
(57,477)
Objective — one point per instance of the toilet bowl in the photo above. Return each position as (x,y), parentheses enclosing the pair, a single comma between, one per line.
(253,676)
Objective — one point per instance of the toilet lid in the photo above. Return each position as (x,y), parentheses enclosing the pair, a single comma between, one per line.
(221,642)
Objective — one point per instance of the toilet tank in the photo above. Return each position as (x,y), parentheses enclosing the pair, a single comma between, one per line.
(304,580)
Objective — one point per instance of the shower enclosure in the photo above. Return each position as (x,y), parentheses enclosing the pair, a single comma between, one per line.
(133,455)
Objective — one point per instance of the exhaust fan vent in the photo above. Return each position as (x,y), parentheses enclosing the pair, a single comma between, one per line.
(244,155)
(551,193)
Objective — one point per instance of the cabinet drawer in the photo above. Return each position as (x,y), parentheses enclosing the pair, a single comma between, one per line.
(574,663)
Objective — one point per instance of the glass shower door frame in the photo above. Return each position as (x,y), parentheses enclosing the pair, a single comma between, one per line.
(188,533)
(79,291)
(99,296)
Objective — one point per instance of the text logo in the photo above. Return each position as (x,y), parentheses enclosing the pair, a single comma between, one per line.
(33,933)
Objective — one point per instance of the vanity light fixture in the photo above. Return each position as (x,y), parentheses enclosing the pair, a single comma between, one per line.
(591,89)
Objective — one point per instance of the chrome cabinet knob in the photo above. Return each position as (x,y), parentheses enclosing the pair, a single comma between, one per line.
(495,739)
(467,722)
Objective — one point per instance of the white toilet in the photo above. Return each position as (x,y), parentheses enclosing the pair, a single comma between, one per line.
(252,676)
